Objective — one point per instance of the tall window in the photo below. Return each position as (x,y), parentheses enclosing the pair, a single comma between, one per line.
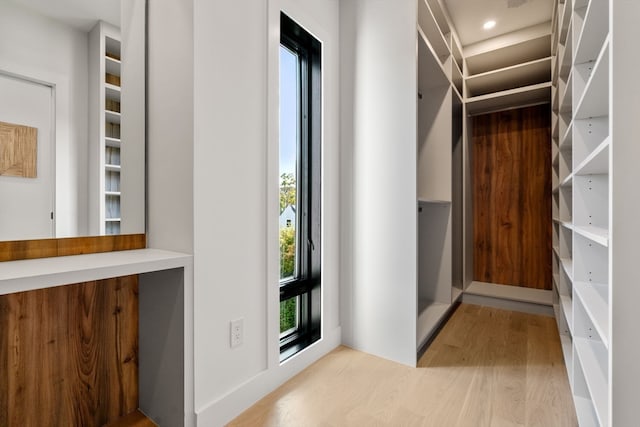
(300,141)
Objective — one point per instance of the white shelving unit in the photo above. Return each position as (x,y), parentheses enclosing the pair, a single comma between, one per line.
(105,124)
(439,154)
(583,203)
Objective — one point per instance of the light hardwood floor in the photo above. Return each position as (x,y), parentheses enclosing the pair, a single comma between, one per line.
(487,367)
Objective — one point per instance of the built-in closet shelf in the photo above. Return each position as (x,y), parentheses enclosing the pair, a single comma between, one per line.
(112,117)
(434,202)
(592,355)
(27,275)
(598,235)
(567,181)
(506,56)
(430,314)
(112,168)
(586,413)
(556,249)
(597,162)
(112,65)
(564,67)
(566,224)
(565,18)
(555,127)
(567,351)
(112,91)
(554,69)
(556,278)
(112,142)
(432,74)
(594,298)
(513,293)
(113,219)
(594,100)
(567,309)
(111,193)
(565,101)
(567,265)
(556,159)
(567,139)
(525,74)
(428,24)
(594,31)
(538,93)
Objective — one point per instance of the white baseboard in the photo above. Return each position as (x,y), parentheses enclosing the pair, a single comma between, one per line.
(507,304)
(225,409)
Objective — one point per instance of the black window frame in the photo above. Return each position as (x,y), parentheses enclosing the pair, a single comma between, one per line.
(306,282)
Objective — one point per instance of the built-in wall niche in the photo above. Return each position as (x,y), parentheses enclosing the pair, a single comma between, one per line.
(93,95)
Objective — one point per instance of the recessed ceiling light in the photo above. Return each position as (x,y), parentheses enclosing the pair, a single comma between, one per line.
(489,24)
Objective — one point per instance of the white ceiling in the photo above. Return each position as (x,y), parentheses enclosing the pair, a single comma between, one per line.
(468,16)
(81,14)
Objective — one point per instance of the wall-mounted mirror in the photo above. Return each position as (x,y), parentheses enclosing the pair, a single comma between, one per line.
(72,118)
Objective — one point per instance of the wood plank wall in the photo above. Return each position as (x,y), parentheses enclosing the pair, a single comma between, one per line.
(45,248)
(69,354)
(512,197)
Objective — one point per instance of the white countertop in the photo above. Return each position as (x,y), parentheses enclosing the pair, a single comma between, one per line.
(26,275)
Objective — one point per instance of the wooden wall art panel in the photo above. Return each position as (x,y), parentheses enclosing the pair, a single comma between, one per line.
(512,197)
(69,354)
(44,248)
(18,150)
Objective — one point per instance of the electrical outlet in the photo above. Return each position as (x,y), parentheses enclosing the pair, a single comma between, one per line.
(236,332)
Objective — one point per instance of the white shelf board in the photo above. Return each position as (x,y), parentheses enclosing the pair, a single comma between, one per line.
(112,65)
(527,95)
(594,297)
(112,142)
(556,250)
(112,219)
(567,181)
(525,74)
(567,309)
(565,18)
(112,91)
(595,98)
(430,314)
(112,168)
(592,355)
(584,411)
(594,31)
(513,293)
(27,275)
(428,24)
(565,100)
(598,235)
(567,139)
(506,56)
(431,73)
(597,162)
(556,279)
(111,193)
(565,60)
(567,353)
(556,159)
(433,202)
(567,265)
(112,116)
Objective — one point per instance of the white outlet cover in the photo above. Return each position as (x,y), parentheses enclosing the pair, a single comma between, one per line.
(236,332)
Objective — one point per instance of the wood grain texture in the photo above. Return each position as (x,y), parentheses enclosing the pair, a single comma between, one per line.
(134,419)
(68,354)
(487,367)
(512,197)
(45,248)
(18,151)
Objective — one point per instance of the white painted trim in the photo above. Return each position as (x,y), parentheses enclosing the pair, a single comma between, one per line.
(223,410)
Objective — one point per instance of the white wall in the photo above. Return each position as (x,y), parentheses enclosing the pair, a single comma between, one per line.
(212,161)
(236,182)
(43,49)
(378,133)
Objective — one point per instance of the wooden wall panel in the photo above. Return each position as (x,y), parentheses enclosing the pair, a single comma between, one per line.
(512,197)
(45,248)
(68,355)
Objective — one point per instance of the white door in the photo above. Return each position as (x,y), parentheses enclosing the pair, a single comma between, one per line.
(26,204)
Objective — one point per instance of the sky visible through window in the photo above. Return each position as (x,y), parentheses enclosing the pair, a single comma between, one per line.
(288,111)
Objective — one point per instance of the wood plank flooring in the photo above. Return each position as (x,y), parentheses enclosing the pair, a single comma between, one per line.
(487,367)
